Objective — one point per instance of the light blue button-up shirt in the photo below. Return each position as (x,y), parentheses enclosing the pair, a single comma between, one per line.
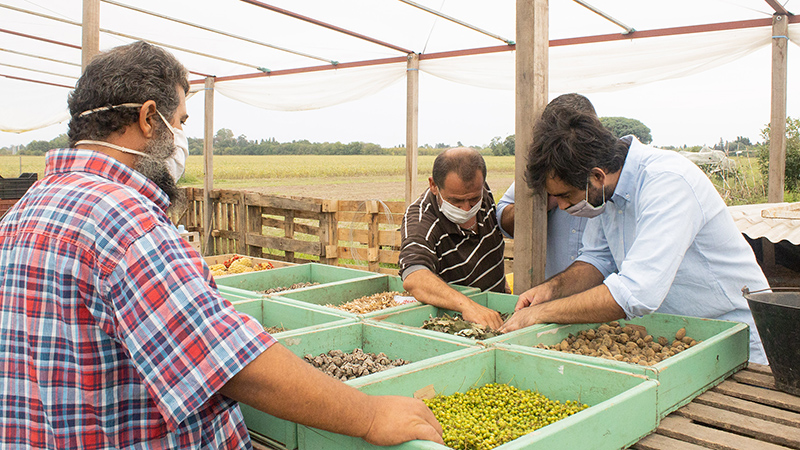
(564,235)
(667,243)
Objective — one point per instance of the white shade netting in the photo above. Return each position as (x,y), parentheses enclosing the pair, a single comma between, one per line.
(585,68)
(306,91)
(50,105)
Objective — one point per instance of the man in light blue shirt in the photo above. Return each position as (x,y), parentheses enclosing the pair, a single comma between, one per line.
(661,239)
(564,232)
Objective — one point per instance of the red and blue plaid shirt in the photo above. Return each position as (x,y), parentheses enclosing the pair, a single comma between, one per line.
(112,331)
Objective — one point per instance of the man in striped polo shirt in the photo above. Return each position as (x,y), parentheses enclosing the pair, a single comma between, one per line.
(450,235)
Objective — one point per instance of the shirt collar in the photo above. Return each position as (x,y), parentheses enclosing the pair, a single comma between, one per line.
(65,160)
(627,177)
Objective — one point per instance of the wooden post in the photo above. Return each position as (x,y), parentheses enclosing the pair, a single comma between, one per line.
(530,227)
(241,224)
(777,121)
(254,226)
(373,250)
(288,231)
(208,163)
(90,32)
(329,232)
(412,121)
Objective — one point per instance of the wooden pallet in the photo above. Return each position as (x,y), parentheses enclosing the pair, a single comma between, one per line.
(743,412)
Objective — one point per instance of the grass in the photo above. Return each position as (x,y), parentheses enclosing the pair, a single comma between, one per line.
(744,186)
(266,169)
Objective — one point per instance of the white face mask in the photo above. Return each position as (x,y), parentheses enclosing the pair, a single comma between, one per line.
(176,163)
(585,209)
(458,215)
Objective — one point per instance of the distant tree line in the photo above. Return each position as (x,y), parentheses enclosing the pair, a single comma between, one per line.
(619,126)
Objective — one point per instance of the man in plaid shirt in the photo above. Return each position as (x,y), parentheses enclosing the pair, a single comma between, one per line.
(112,331)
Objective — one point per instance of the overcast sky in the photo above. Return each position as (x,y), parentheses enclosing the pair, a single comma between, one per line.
(725,102)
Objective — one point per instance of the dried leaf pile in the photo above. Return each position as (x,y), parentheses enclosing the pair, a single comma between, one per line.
(369,303)
(289,288)
(629,343)
(275,329)
(346,366)
(460,327)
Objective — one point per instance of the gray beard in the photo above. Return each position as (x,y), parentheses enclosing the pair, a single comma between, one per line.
(155,169)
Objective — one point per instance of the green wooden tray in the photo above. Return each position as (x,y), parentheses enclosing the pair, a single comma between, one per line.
(343,292)
(415,316)
(622,405)
(724,350)
(287,276)
(372,338)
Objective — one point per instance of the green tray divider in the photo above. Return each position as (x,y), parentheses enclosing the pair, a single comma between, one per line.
(345,291)
(294,318)
(724,350)
(235,295)
(346,336)
(286,276)
(622,405)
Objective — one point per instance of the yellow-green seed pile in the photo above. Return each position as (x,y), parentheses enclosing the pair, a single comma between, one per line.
(486,417)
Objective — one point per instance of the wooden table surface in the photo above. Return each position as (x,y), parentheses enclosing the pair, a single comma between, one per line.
(743,412)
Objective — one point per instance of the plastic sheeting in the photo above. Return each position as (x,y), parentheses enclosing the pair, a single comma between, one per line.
(586,68)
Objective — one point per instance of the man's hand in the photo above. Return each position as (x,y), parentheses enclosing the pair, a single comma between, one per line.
(521,319)
(534,296)
(482,315)
(401,419)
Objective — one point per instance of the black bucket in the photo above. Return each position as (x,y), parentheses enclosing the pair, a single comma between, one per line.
(777,318)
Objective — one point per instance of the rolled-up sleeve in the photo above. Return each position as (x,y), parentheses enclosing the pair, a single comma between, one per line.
(668,218)
(507,199)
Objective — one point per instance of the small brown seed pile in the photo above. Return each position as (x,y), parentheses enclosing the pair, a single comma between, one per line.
(284,288)
(275,329)
(369,303)
(457,326)
(346,366)
(629,343)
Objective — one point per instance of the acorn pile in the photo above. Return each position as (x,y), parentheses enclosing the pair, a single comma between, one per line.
(346,366)
(629,343)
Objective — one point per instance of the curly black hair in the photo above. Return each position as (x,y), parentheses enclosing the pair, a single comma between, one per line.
(133,73)
(568,144)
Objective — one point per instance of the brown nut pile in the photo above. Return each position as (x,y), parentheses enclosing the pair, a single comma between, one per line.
(457,326)
(629,343)
(275,329)
(284,288)
(369,303)
(346,366)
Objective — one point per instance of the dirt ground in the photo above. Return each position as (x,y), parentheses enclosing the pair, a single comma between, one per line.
(366,188)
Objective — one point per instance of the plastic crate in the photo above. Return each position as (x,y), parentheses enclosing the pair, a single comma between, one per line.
(415,316)
(288,275)
(372,338)
(343,292)
(11,188)
(724,349)
(621,405)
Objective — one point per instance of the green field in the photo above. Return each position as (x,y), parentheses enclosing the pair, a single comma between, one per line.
(234,172)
